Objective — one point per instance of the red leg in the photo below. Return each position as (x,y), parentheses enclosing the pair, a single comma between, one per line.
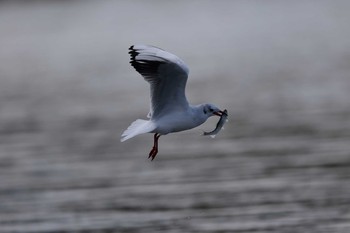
(154,151)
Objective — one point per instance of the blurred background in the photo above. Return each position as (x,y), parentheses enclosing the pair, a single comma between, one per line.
(67,92)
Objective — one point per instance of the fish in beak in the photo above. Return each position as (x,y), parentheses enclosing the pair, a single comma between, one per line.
(219,113)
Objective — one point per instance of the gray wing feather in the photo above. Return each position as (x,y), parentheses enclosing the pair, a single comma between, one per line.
(167,75)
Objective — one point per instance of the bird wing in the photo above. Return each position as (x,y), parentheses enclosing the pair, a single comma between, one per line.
(167,75)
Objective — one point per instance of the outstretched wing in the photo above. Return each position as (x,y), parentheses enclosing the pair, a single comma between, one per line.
(167,75)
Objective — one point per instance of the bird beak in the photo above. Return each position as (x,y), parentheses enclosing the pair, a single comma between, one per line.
(218,113)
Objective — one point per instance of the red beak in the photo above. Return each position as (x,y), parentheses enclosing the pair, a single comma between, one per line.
(219,113)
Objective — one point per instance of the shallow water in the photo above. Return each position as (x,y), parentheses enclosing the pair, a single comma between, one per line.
(282,164)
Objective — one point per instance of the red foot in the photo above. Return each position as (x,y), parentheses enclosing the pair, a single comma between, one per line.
(154,151)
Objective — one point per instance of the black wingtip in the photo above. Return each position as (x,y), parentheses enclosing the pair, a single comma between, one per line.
(132,52)
(133,55)
(145,67)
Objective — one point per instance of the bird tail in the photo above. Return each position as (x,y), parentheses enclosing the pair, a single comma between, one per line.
(137,127)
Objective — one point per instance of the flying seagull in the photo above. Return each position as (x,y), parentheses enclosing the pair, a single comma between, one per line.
(170,111)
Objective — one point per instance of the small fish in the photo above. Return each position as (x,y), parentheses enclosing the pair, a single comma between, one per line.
(219,125)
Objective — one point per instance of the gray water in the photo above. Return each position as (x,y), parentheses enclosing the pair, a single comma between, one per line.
(67,92)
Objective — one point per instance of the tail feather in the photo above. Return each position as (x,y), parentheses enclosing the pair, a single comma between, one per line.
(137,127)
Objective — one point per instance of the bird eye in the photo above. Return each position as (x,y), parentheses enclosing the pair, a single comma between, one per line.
(211,110)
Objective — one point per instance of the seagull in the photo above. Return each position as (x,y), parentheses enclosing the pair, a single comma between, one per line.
(170,111)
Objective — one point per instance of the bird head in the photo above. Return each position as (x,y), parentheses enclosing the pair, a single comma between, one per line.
(211,110)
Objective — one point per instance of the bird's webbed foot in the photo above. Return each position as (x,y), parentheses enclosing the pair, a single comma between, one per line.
(154,151)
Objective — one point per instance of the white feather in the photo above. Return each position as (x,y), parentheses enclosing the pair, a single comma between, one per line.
(137,127)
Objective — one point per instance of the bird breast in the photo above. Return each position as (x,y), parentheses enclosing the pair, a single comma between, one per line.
(177,121)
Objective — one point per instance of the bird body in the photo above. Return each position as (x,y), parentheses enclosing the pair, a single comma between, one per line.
(170,111)
(179,121)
